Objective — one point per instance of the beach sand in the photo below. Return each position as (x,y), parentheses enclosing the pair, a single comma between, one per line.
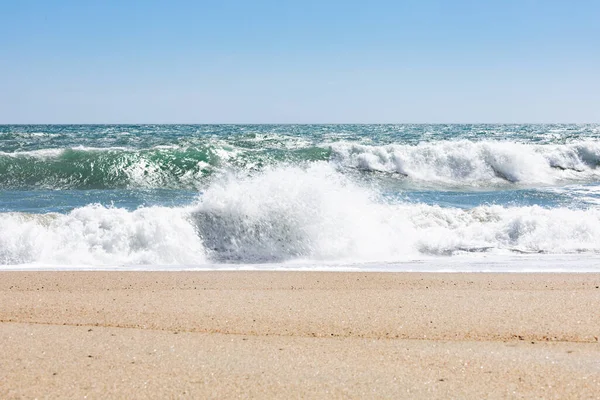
(298,335)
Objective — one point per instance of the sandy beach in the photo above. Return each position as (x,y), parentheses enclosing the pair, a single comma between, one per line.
(298,335)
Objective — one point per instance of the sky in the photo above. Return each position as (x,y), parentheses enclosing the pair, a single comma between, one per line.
(328,61)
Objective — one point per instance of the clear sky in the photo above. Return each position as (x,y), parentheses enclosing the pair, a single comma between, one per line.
(228,61)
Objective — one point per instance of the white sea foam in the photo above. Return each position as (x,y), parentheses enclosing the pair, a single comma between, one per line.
(468,163)
(57,152)
(291,214)
(41,154)
(95,235)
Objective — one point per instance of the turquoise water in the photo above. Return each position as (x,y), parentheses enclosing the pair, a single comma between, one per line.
(106,195)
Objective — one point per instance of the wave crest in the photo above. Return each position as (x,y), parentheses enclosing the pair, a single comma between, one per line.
(467,163)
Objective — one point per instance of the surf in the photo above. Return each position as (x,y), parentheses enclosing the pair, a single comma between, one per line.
(291,214)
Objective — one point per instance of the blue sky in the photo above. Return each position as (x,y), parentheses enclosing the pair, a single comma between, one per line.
(228,61)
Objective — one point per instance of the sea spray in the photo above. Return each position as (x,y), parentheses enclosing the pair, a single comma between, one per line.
(291,212)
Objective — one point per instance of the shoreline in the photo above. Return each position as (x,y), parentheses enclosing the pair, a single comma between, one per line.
(267,334)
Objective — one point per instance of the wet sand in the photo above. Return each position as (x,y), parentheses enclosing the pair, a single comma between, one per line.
(298,335)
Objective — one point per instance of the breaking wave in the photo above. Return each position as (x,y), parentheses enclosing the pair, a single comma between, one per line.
(438,164)
(481,164)
(290,214)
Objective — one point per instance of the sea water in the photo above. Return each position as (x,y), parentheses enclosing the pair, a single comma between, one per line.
(303,197)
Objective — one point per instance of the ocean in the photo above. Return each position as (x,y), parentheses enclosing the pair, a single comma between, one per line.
(479,197)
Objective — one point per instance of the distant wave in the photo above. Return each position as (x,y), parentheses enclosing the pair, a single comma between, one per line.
(479,164)
(120,167)
(290,214)
(91,168)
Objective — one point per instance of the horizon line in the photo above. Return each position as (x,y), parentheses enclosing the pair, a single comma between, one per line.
(292,123)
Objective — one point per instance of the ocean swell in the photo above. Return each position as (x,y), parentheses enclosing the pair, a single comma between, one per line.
(172,167)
